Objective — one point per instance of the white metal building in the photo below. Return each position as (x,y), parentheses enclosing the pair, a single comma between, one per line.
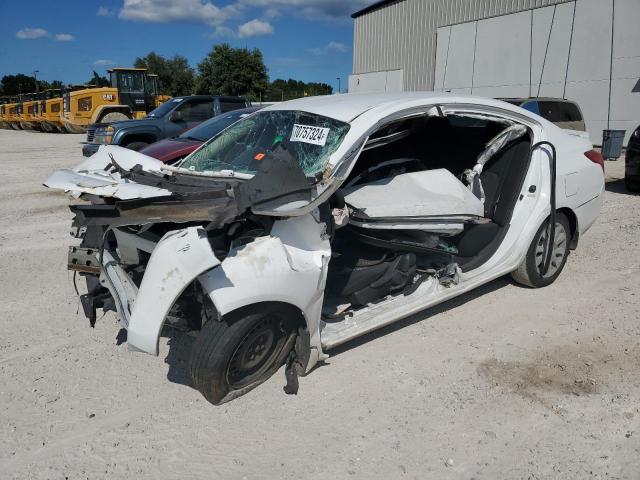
(583,50)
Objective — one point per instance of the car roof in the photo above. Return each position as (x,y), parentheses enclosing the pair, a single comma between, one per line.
(237,111)
(212,97)
(543,99)
(346,107)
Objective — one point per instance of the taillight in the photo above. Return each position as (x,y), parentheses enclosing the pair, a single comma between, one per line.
(595,157)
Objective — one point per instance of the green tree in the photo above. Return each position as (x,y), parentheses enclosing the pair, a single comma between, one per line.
(98,81)
(56,84)
(232,71)
(15,84)
(175,75)
(281,89)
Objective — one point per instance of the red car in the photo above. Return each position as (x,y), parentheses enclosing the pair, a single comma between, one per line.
(171,150)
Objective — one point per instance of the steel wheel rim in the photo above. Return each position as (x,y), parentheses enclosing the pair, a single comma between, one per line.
(255,353)
(558,250)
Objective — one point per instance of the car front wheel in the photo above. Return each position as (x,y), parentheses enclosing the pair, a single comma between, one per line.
(529,272)
(236,354)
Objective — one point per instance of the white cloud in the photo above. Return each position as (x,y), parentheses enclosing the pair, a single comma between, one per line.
(222,31)
(195,11)
(103,62)
(336,47)
(313,9)
(105,12)
(255,28)
(63,37)
(216,14)
(31,33)
(331,47)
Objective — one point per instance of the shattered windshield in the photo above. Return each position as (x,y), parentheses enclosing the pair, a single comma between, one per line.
(308,139)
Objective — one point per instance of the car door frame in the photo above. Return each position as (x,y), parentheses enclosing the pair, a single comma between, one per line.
(530,211)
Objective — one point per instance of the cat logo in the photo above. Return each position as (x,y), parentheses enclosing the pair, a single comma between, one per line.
(108,97)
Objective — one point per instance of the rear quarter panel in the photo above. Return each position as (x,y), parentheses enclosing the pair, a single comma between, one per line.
(580,182)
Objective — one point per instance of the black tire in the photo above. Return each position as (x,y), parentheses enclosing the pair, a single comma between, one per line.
(112,117)
(631,186)
(233,356)
(528,273)
(136,145)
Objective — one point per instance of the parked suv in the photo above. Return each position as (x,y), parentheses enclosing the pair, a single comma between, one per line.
(168,120)
(564,113)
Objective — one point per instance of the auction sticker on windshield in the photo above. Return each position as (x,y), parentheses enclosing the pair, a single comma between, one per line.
(309,134)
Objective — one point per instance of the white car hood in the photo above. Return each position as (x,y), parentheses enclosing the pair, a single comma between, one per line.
(95,176)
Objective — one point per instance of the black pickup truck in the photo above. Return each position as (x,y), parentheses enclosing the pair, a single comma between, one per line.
(168,120)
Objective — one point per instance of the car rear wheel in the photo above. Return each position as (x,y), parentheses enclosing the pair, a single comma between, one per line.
(136,145)
(236,354)
(529,272)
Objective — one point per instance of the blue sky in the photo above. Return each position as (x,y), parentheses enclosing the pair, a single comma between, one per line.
(309,40)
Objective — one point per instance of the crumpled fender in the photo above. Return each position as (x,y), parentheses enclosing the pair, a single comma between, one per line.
(179,257)
(289,266)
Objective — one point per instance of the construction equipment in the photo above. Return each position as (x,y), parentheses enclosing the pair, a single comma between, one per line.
(133,93)
(28,119)
(51,110)
(36,117)
(12,113)
(3,112)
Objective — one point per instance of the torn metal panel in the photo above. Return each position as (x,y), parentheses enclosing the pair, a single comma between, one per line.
(425,193)
(101,184)
(288,266)
(117,281)
(216,211)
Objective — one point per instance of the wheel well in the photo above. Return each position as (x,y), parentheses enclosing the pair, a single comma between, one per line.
(140,137)
(291,310)
(105,111)
(573,224)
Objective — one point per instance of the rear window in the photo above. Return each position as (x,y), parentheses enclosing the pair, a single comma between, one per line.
(532,107)
(560,111)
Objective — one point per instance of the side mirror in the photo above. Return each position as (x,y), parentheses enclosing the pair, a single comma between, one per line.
(176,116)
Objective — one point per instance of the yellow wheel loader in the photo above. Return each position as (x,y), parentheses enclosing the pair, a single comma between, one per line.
(12,113)
(51,110)
(133,93)
(4,112)
(28,112)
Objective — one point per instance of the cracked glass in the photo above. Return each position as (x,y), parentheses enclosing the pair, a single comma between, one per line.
(309,139)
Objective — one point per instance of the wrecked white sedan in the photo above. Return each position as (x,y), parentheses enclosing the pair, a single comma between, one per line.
(315,221)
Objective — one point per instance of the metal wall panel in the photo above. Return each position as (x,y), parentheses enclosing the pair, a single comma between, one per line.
(402,35)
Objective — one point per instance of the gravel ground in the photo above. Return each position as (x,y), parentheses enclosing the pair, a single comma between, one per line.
(502,383)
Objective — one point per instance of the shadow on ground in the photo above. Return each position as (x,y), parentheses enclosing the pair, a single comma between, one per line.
(618,186)
(180,344)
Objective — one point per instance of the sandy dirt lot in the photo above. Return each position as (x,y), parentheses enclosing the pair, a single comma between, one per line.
(503,383)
